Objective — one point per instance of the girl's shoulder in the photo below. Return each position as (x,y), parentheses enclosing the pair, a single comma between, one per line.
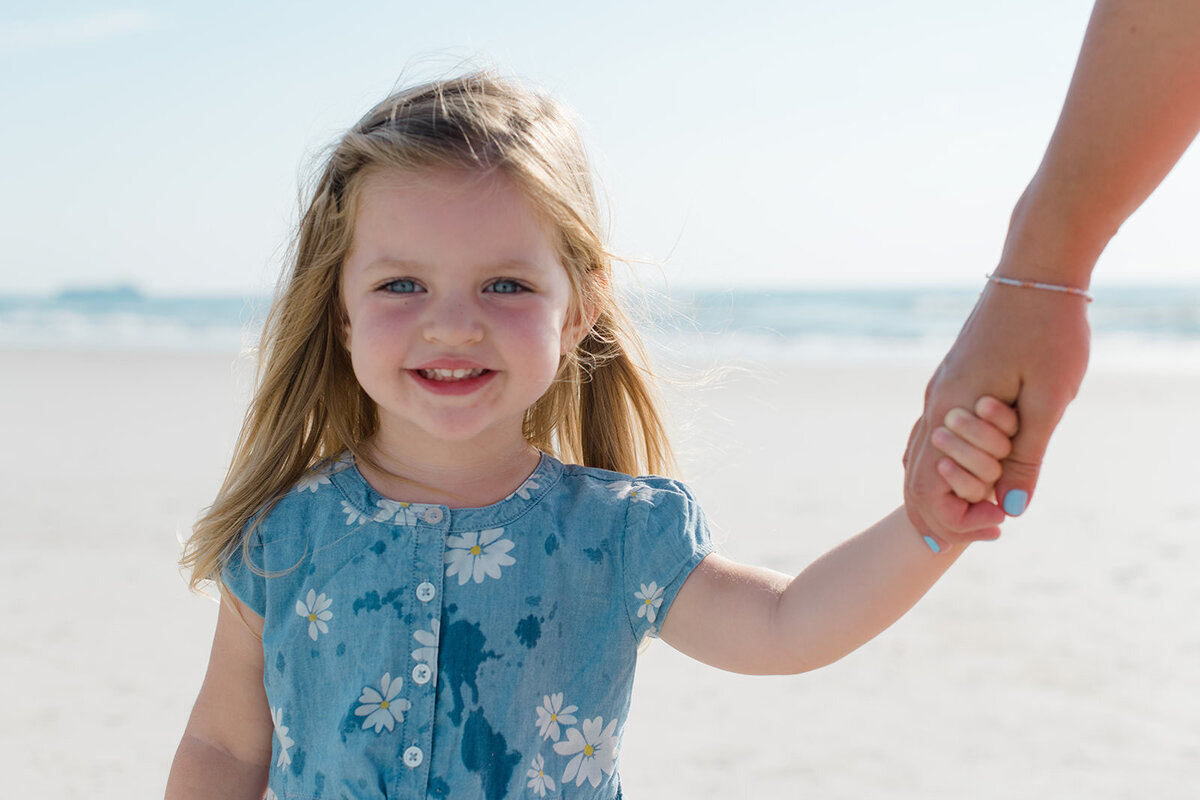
(619,487)
(664,530)
(314,493)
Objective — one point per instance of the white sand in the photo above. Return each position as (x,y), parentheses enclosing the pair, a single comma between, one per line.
(1063,661)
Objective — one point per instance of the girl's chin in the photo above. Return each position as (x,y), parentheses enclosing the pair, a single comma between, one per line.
(440,435)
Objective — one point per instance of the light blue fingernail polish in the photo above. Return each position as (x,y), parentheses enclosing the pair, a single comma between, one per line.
(1015,501)
(933,545)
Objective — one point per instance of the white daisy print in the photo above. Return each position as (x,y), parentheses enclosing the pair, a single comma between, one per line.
(539,781)
(285,741)
(313,480)
(318,476)
(270,795)
(595,751)
(395,511)
(427,652)
(551,712)
(476,554)
(353,515)
(523,493)
(635,492)
(651,597)
(382,708)
(315,608)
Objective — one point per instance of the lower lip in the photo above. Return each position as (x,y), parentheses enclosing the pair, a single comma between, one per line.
(452,387)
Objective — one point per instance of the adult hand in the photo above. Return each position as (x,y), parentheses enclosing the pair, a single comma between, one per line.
(1026,347)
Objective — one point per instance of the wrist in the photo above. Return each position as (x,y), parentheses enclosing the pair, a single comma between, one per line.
(923,540)
(1050,240)
(1021,283)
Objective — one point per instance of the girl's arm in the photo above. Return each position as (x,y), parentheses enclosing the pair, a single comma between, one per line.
(755,620)
(226,747)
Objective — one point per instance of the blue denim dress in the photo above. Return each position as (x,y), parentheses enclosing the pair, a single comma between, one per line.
(420,651)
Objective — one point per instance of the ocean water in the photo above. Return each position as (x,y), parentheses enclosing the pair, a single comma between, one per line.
(1147,327)
(122,318)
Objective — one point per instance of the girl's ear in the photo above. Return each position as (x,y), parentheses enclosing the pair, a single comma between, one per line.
(579,322)
(582,315)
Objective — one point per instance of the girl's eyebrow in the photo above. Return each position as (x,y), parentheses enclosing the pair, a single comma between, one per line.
(507,265)
(389,264)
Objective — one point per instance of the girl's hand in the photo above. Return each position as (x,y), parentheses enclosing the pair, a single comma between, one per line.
(974,445)
(756,621)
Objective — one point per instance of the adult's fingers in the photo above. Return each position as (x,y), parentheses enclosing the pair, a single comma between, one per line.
(1040,414)
(913,438)
(920,492)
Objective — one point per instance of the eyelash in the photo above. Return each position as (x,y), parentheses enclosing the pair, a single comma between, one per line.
(418,289)
(387,287)
(520,287)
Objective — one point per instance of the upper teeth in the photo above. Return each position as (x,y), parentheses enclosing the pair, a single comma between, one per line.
(451,374)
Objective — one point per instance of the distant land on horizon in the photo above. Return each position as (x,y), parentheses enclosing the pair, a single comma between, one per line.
(120,292)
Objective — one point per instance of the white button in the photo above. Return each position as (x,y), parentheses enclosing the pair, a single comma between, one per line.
(413,757)
(426,592)
(421,674)
(433,515)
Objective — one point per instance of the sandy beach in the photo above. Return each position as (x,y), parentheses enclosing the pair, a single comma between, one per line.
(1062,661)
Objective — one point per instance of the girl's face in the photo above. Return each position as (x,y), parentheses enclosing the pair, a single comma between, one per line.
(457,307)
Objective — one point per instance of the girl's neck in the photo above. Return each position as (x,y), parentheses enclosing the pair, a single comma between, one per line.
(458,477)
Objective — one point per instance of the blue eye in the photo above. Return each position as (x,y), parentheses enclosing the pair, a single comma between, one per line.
(505,286)
(402,286)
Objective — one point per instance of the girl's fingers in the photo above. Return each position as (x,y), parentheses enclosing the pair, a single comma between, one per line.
(963,483)
(999,414)
(968,456)
(980,434)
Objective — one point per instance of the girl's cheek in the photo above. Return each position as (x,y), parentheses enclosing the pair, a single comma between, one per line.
(387,320)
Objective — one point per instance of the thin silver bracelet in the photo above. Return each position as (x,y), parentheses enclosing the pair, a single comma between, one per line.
(1051,287)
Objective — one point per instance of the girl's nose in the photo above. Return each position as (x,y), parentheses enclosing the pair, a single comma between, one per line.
(452,321)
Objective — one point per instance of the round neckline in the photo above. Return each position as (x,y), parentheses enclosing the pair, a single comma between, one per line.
(363,497)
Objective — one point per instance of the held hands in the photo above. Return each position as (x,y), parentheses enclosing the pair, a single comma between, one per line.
(757,621)
(973,445)
(1025,348)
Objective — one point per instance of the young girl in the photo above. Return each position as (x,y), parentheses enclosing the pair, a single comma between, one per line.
(436,567)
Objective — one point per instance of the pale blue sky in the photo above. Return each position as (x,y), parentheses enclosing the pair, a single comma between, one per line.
(801,143)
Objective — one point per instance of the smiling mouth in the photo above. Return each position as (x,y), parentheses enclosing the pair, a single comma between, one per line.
(447,375)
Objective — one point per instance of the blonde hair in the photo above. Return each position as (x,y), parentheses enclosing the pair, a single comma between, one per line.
(601,410)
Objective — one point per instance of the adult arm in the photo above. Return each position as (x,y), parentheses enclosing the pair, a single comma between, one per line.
(226,747)
(1132,109)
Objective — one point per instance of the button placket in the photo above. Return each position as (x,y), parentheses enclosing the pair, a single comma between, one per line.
(426,572)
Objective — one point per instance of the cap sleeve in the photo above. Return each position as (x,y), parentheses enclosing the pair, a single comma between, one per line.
(243,575)
(666,536)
